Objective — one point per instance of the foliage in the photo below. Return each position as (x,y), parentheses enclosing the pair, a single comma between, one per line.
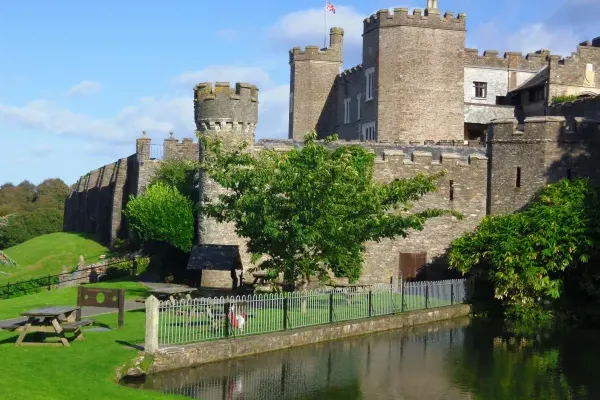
(45,255)
(526,255)
(27,225)
(26,196)
(162,214)
(564,99)
(182,175)
(309,211)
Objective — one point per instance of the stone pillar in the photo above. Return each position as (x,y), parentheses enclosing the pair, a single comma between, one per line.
(151,338)
(142,147)
(170,148)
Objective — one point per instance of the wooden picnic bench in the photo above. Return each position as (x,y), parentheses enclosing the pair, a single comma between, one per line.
(174,293)
(57,320)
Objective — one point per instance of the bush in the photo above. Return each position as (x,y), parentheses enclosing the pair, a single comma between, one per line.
(28,225)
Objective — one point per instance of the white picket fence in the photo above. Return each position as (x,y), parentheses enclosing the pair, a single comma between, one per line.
(202,319)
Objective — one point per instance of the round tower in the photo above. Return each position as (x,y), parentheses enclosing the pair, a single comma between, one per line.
(230,113)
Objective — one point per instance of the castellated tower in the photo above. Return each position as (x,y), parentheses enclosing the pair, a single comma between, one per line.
(312,75)
(418,70)
(230,114)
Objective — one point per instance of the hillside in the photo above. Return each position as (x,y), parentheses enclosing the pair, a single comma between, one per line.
(45,255)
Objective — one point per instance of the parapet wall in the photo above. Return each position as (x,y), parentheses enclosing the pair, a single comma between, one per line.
(351,74)
(401,17)
(588,108)
(314,53)
(544,129)
(184,150)
(511,60)
(224,108)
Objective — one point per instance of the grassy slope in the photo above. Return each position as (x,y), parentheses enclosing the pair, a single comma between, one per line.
(12,308)
(83,371)
(45,255)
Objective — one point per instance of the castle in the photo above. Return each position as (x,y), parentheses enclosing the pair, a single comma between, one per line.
(422,102)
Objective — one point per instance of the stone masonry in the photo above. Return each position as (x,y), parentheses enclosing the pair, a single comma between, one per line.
(422,108)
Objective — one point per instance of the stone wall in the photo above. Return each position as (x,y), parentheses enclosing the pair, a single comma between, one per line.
(312,75)
(578,73)
(585,108)
(177,357)
(420,75)
(547,149)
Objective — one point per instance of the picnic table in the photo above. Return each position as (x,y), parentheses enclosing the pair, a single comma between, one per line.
(174,293)
(350,288)
(48,320)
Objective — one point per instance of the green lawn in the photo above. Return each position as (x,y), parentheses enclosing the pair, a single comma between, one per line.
(12,308)
(84,371)
(45,255)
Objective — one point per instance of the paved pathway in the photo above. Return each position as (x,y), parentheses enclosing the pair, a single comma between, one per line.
(86,312)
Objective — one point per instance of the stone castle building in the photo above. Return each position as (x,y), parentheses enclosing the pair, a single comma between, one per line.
(422,102)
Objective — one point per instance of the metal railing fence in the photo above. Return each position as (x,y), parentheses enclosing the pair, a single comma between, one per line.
(203,319)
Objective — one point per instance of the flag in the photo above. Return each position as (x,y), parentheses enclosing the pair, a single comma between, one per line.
(330,7)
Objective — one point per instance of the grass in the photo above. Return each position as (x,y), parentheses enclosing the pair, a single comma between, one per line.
(84,371)
(13,308)
(45,255)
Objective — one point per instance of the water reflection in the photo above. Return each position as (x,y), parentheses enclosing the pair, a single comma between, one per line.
(399,365)
(458,360)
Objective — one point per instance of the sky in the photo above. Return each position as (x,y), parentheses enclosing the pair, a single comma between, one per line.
(80,80)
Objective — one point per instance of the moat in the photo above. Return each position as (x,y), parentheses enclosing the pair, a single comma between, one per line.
(462,359)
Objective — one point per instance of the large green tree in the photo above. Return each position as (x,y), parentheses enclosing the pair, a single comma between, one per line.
(309,211)
(527,255)
(162,214)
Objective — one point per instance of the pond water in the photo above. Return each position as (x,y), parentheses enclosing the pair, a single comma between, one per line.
(461,359)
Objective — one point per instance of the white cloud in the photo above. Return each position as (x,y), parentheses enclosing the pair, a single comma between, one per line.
(84,88)
(300,28)
(157,115)
(538,36)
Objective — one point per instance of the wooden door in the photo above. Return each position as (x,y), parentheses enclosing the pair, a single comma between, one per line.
(411,263)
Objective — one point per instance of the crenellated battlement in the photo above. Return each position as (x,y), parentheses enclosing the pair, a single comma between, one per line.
(443,159)
(351,74)
(314,53)
(428,19)
(543,129)
(225,108)
(511,60)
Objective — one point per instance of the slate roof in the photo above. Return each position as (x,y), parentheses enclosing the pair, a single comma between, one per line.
(537,80)
(216,257)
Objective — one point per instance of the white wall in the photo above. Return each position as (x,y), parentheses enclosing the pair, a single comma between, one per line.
(497,84)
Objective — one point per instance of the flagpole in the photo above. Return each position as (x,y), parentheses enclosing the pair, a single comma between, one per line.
(325,33)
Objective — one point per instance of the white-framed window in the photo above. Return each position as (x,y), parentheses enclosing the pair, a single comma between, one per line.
(347,110)
(368,131)
(370,81)
(358,105)
(291,102)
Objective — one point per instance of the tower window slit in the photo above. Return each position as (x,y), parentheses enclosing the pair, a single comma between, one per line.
(518,183)
(451,190)
(569,174)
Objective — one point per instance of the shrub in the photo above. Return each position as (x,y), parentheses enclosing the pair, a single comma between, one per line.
(28,225)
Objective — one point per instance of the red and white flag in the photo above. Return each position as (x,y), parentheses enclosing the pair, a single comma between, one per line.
(330,7)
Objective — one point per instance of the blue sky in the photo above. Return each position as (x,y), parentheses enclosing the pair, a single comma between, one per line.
(79,80)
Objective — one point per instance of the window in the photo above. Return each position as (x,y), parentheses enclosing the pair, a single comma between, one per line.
(368,131)
(480,89)
(537,94)
(370,79)
(347,110)
(451,191)
(518,183)
(358,97)
(291,102)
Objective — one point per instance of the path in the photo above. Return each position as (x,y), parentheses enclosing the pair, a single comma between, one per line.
(86,312)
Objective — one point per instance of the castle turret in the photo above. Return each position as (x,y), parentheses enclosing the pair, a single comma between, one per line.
(231,114)
(414,74)
(312,75)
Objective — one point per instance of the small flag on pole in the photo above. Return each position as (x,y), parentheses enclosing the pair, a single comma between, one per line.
(330,7)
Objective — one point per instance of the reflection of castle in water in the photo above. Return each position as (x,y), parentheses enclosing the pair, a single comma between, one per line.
(395,365)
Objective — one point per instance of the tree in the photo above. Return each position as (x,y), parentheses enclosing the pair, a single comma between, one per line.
(310,211)
(180,174)
(24,226)
(526,254)
(51,193)
(162,214)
